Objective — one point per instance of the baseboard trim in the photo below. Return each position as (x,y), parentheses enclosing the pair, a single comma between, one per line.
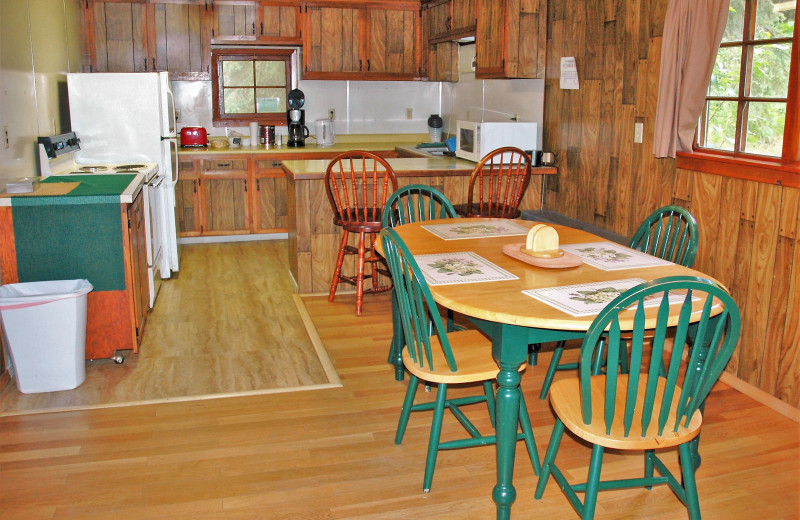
(761,396)
(233,238)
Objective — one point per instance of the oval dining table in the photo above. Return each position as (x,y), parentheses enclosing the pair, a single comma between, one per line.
(513,320)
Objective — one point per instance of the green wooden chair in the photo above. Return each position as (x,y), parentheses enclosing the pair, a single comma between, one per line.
(430,357)
(670,233)
(642,410)
(412,203)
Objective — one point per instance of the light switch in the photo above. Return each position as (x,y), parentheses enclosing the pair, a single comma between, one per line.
(638,132)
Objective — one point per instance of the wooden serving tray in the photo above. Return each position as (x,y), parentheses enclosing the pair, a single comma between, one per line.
(562,262)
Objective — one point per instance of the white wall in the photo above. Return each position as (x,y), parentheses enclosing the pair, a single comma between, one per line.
(380,107)
(39,44)
(491,99)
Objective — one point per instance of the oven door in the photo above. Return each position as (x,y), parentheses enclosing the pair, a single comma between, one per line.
(153,199)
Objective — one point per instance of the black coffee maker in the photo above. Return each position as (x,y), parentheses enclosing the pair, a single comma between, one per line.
(296,119)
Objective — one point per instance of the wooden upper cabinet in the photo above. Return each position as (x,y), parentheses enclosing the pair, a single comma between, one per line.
(181,40)
(450,19)
(443,61)
(116,36)
(234,21)
(342,41)
(510,38)
(332,42)
(281,22)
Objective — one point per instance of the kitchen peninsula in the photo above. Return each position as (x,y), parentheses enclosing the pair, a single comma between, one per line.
(314,239)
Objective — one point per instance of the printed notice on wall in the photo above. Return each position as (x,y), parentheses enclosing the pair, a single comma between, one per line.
(569,74)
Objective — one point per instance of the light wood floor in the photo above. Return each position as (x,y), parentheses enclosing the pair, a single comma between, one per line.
(227,324)
(329,454)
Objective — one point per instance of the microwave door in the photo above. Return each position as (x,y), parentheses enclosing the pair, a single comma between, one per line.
(467,141)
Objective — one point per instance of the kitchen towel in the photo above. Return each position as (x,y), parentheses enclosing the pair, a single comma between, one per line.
(254,133)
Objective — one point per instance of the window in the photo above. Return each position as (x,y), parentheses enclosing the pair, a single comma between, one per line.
(746,104)
(251,85)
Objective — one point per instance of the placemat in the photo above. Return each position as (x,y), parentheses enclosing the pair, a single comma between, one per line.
(609,256)
(462,267)
(462,230)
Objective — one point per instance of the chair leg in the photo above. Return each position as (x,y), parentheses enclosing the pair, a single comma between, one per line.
(527,432)
(396,346)
(360,274)
(408,402)
(648,465)
(436,432)
(689,482)
(533,353)
(488,390)
(338,269)
(551,369)
(593,483)
(549,457)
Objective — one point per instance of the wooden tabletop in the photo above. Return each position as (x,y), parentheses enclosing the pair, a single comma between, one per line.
(503,301)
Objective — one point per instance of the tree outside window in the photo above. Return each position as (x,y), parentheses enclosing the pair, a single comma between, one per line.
(748,94)
(251,85)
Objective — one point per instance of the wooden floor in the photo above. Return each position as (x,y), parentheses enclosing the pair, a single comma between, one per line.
(227,324)
(329,454)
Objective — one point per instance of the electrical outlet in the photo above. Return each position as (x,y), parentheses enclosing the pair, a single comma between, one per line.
(409,113)
(332,114)
(6,144)
(638,132)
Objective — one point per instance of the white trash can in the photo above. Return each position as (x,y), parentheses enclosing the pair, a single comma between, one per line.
(44,324)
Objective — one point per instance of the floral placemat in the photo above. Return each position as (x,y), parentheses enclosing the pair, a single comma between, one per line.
(461,230)
(462,267)
(588,299)
(609,256)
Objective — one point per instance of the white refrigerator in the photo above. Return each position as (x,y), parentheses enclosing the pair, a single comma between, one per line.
(130,117)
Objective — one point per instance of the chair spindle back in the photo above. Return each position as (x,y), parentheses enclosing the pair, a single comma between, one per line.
(358,184)
(414,203)
(498,183)
(686,385)
(669,233)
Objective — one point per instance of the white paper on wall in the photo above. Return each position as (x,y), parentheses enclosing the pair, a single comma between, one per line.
(569,74)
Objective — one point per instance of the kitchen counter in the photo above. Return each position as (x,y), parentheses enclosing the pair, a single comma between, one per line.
(91,189)
(314,239)
(344,143)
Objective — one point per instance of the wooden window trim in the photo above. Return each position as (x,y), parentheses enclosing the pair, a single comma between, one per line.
(220,118)
(784,170)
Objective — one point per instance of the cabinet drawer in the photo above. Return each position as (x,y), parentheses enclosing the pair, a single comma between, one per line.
(222,166)
(264,165)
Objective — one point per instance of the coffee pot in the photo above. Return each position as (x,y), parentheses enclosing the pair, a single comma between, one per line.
(325,134)
(296,119)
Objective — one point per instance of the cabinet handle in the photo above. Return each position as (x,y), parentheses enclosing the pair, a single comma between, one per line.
(154,63)
(145,64)
(258,184)
(254,27)
(224,165)
(262,28)
(447,23)
(276,164)
(359,65)
(194,186)
(367,65)
(245,185)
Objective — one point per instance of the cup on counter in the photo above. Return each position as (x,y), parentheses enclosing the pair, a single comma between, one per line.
(245,141)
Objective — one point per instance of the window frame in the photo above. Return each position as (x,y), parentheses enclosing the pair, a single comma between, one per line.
(784,170)
(218,57)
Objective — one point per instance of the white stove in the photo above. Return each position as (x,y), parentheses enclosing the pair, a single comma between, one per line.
(61,155)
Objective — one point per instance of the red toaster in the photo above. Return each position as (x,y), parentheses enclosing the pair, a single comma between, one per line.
(194,136)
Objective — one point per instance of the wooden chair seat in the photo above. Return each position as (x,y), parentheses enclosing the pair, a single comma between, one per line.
(473,355)
(356,225)
(497,184)
(568,409)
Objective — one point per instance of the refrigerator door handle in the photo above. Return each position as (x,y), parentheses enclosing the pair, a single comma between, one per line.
(175,165)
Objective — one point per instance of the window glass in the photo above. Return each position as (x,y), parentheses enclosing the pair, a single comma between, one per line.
(271,100)
(770,76)
(735,26)
(270,73)
(727,68)
(765,128)
(720,125)
(774,19)
(239,101)
(237,73)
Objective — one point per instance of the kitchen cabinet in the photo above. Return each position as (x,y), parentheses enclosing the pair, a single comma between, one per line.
(138,262)
(443,61)
(269,196)
(234,21)
(280,23)
(224,196)
(510,38)
(450,20)
(187,198)
(116,36)
(180,40)
(362,43)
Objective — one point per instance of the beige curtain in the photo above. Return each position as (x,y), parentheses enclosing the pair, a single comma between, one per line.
(692,32)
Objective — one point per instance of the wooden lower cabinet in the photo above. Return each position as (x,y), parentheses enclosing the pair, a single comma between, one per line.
(225,205)
(269,197)
(138,261)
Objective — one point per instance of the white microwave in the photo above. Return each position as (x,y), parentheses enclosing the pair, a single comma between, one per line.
(474,140)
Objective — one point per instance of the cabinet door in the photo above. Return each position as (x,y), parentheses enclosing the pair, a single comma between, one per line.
(140,289)
(440,20)
(443,61)
(332,42)
(225,196)
(234,21)
(187,198)
(280,23)
(182,44)
(116,36)
(393,37)
(269,198)
(510,39)
(464,17)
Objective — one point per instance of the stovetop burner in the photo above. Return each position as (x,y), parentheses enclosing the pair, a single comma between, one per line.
(92,169)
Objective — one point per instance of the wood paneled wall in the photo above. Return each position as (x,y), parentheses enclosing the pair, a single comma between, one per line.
(748,230)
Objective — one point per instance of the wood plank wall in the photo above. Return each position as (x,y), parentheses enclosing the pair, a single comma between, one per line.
(748,230)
